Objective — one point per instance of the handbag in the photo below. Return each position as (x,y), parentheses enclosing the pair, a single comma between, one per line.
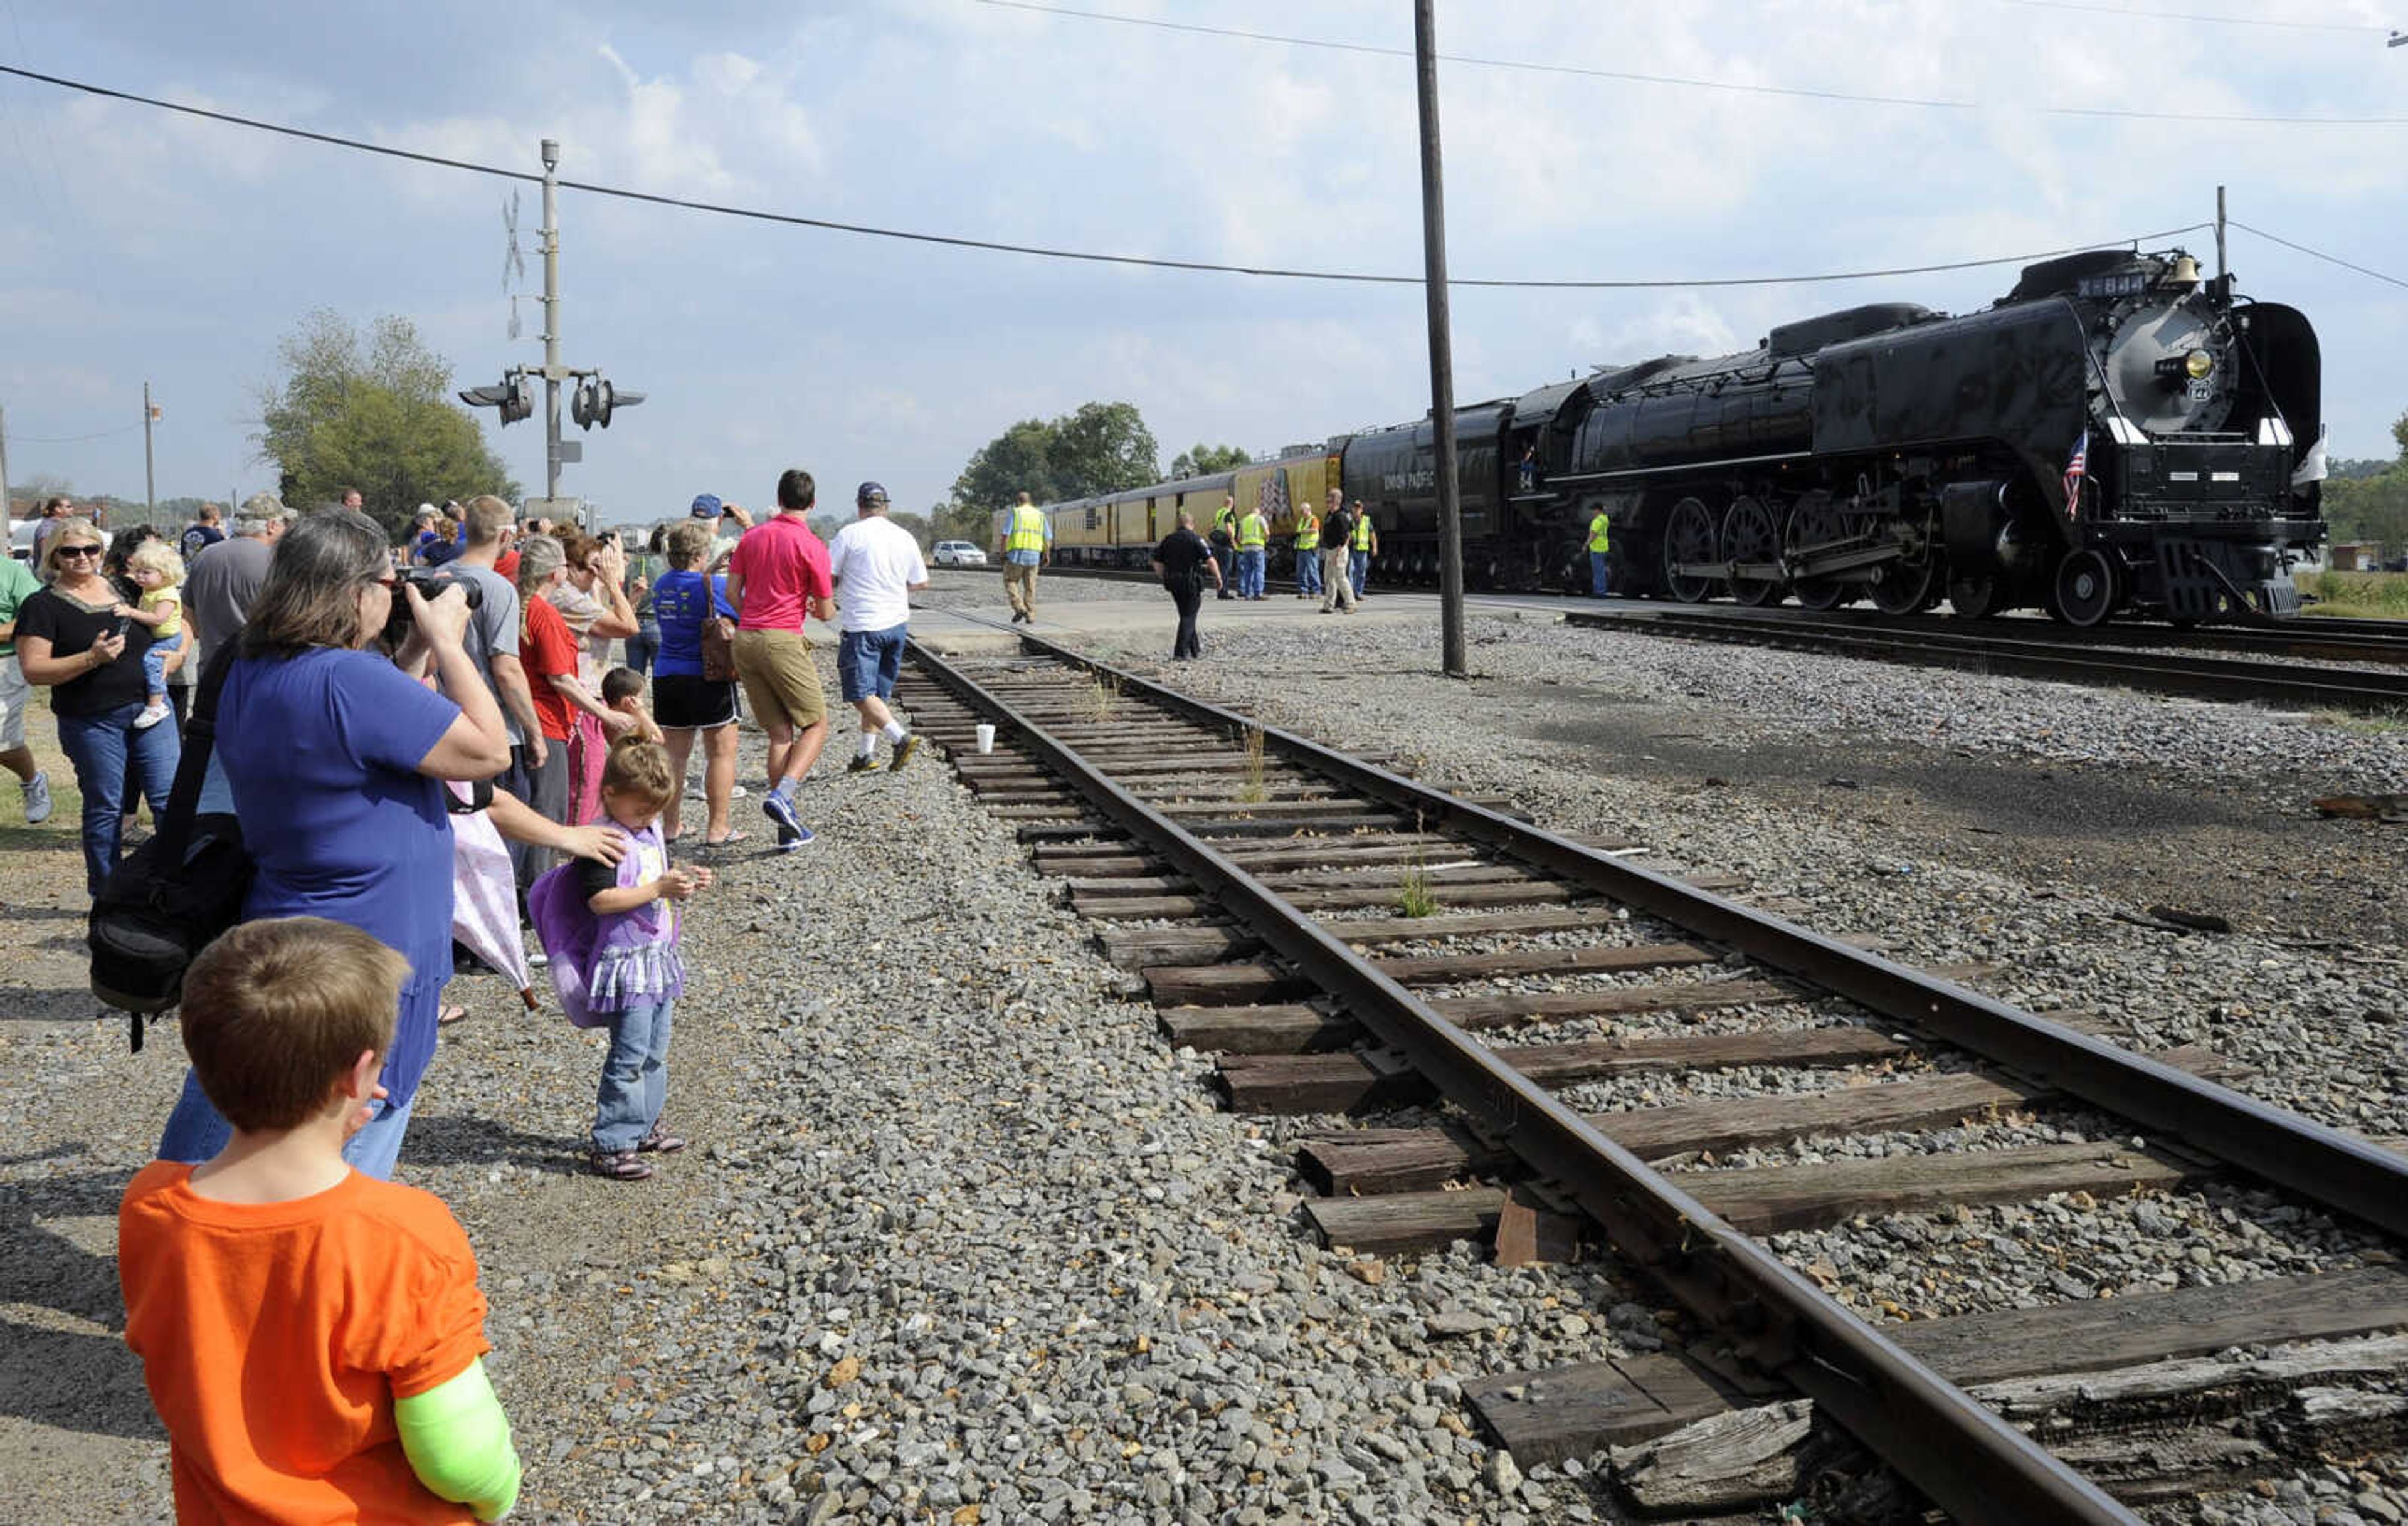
(177,892)
(718,650)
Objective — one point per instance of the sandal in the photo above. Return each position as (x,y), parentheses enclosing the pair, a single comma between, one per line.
(619,1165)
(661,1142)
(735,835)
(449,1015)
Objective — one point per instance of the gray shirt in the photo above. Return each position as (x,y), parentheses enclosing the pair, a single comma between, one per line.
(218,590)
(493,629)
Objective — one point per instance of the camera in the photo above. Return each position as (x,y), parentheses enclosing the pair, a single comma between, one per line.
(430,585)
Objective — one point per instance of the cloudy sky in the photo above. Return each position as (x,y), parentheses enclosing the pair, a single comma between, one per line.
(142,244)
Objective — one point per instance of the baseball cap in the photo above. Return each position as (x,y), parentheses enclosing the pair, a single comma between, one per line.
(869,492)
(706,506)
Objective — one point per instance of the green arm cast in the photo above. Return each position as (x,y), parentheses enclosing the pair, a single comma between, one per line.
(458,1443)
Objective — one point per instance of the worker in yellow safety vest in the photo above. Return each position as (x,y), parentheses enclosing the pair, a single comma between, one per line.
(1366,542)
(1225,543)
(1253,544)
(1028,541)
(1600,538)
(1308,552)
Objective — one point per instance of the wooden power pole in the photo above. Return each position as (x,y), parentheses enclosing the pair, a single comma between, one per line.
(1441,350)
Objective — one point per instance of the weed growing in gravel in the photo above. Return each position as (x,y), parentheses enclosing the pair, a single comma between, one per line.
(2379,724)
(1414,895)
(1250,788)
(1104,697)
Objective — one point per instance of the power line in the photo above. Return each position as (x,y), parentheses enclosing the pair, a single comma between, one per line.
(2319,254)
(2193,16)
(1050,253)
(1685,82)
(70,439)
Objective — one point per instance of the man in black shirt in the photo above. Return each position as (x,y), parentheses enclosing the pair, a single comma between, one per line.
(1181,562)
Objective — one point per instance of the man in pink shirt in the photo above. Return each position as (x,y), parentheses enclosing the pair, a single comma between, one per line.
(777,576)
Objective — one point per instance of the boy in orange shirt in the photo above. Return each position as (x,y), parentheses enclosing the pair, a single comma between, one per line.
(311,1336)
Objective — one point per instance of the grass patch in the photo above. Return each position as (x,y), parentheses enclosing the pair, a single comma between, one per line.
(1251,787)
(2356,595)
(1104,697)
(2378,723)
(1415,896)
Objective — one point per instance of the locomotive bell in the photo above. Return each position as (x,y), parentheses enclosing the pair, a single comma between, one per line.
(2184,273)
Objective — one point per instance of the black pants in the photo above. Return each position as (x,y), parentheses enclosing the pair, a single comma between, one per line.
(1189,597)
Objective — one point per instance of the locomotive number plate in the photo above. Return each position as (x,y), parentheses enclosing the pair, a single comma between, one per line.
(2201,390)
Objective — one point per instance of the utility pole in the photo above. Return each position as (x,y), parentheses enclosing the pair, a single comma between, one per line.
(149,477)
(1441,350)
(595,398)
(2219,232)
(552,369)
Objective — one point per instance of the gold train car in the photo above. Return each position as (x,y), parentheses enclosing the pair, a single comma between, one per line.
(1121,529)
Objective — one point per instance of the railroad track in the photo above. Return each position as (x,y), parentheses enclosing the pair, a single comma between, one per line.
(1265,886)
(2138,656)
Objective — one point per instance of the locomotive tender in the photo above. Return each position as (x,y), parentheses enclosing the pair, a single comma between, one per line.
(2117,435)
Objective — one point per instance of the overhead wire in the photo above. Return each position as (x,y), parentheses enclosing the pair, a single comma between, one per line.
(2318,254)
(2092,7)
(14,439)
(1053,253)
(1688,83)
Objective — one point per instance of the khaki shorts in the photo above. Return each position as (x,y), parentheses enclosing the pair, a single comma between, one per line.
(15,695)
(780,678)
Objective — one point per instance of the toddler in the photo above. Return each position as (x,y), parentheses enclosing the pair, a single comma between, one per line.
(159,573)
(311,1336)
(623,690)
(612,935)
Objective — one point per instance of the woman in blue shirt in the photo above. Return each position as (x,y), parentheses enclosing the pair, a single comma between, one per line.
(684,701)
(336,755)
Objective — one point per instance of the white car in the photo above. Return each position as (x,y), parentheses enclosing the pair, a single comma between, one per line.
(958,553)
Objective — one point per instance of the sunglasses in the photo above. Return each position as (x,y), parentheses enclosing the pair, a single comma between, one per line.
(76,551)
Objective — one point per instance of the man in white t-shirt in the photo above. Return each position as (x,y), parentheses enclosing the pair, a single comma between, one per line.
(877,567)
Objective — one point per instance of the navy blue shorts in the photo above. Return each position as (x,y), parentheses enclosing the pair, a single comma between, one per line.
(867,662)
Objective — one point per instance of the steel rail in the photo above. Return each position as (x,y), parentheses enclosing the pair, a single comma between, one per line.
(2216,678)
(1982,1470)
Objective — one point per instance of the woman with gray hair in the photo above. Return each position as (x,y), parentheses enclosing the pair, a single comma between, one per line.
(336,758)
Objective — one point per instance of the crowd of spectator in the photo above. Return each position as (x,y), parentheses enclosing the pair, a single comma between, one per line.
(369,700)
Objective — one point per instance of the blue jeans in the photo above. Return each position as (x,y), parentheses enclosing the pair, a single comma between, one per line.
(195,1133)
(635,1077)
(1250,574)
(1358,566)
(1308,571)
(1596,573)
(155,663)
(643,647)
(100,747)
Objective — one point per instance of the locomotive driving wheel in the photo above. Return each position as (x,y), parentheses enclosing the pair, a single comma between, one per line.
(1748,536)
(1975,598)
(2085,593)
(1689,537)
(1906,587)
(1816,523)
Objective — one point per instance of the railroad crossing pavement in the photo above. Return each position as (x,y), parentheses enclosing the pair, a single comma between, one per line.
(1144,612)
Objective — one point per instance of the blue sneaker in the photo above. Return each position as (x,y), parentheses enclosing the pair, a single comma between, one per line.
(779,807)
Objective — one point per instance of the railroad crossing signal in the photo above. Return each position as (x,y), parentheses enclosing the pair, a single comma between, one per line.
(515,396)
(594,399)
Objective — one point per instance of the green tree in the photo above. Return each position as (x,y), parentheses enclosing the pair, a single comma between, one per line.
(1201,460)
(1102,447)
(371,411)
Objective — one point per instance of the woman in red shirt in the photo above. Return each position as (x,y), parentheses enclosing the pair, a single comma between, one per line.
(547,651)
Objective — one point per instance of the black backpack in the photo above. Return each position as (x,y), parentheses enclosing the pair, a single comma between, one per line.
(177,892)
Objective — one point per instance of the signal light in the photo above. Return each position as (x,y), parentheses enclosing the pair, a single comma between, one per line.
(593,401)
(515,397)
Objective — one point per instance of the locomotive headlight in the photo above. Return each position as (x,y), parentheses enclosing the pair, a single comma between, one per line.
(2197,363)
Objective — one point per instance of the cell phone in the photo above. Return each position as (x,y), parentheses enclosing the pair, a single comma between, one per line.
(120,625)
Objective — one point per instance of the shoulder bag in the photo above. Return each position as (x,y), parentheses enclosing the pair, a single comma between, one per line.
(177,892)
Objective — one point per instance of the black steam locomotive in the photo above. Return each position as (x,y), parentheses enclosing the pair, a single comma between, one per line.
(2116,433)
